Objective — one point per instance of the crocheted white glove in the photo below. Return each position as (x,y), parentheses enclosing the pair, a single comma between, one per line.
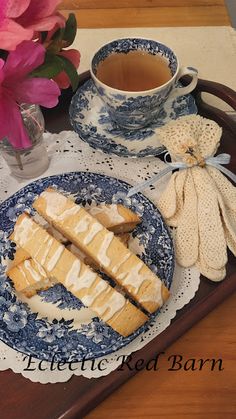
(199,201)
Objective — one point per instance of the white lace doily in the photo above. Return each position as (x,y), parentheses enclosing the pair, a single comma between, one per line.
(68,153)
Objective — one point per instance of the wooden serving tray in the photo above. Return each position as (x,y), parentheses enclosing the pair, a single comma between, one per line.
(23,399)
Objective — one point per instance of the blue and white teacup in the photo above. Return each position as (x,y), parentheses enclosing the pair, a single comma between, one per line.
(134,110)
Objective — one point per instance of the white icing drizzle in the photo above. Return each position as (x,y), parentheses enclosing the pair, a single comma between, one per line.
(102,252)
(40,246)
(55,204)
(23,273)
(94,230)
(67,213)
(77,281)
(86,280)
(89,299)
(122,276)
(82,225)
(35,275)
(73,274)
(110,211)
(156,294)
(47,249)
(133,277)
(40,269)
(24,230)
(112,306)
(118,265)
(55,258)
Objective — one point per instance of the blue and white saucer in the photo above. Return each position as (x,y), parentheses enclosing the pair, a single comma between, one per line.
(91,121)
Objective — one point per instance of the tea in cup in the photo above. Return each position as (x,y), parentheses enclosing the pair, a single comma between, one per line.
(135,77)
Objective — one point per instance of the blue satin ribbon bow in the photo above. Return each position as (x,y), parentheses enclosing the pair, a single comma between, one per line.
(216,162)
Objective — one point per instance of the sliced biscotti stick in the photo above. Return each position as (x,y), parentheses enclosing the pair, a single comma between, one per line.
(62,266)
(115,217)
(51,230)
(29,277)
(87,260)
(21,255)
(106,250)
(124,238)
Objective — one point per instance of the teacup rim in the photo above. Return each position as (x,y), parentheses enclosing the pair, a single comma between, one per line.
(130,92)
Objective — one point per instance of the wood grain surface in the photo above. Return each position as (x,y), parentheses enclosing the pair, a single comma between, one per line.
(114,4)
(142,13)
(185,394)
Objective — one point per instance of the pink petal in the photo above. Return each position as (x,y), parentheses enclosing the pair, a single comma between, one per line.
(73,55)
(37,90)
(14,129)
(62,80)
(3,10)
(12,34)
(2,63)
(15,8)
(26,57)
(40,8)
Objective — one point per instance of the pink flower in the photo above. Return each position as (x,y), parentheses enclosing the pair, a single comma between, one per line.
(72,55)
(16,87)
(21,20)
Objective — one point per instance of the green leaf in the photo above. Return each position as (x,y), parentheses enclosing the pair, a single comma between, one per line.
(55,45)
(70,70)
(58,35)
(50,68)
(70,30)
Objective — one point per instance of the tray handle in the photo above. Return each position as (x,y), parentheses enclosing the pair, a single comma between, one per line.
(223,92)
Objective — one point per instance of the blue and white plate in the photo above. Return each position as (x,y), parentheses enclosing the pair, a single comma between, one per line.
(91,121)
(55,324)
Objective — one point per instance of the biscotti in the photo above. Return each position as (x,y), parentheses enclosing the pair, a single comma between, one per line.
(124,237)
(62,266)
(19,256)
(115,217)
(29,277)
(107,251)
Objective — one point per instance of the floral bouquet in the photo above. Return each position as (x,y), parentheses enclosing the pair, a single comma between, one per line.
(34,65)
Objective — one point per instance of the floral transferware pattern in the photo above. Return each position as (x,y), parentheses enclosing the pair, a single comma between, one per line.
(23,329)
(90,119)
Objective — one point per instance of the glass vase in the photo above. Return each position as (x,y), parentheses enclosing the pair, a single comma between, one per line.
(33,161)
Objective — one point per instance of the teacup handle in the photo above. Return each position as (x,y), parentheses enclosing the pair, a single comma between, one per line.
(180,91)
